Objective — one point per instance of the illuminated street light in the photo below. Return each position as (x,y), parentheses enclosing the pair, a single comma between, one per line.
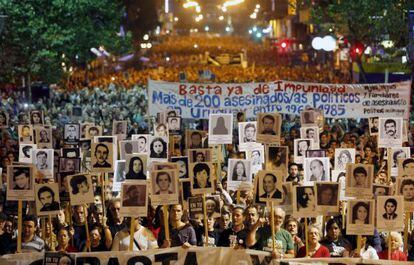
(253,16)
(190,4)
(176,19)
(228,29)
(206,28)
(146,37)
(257,6)
(232,3)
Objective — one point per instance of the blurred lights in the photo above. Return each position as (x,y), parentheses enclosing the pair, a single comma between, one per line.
(146,37)
(175,19)
(221,17)
(195,46)
(198,9)
(258,34)
(250,31)
(327,43)
(166,7)
(228,29)
(257,6)
(167,59)
(232,3)
(206,28)
(254,29)
(113,78)
(190,4)
(253,16)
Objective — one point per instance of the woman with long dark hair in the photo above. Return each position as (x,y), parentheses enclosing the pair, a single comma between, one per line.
(136,169)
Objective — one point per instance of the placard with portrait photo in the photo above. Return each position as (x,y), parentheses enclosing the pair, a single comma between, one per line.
(268,128)
(257,156)
(239,174)
(220,129)
(70,152)
(381,190)
(304,201)
(300,146)
(185,192)
(373,126)
(213,206)
(69,164)
(36,117)
(182,162)
(310,117)
(406,167)
(405,187)
(119,127)
(270,185)
(25,153)
(316,169)
(276,158)
(247,133)
(80,189)
(339,176)
(26,134)
(91,131)
(4,120)
(390,132)
(390,213)
(327,199)
(310,132)
(360,217)
(43,160)
(194,139)
(59,258)
(47,199)
(134,198)
(398,153)
(175,145)
(83,128)
(143,142)
(359,179)
(164,187)
(127,147)
(344,156)
(119,175)
(62,180)
(161,130)
(136,166)
(286,203)
(199,155)
(201,177)
(20,183)
(164,166)
(102,157)
(43,136)
(174,125)
(158,148)
(72,133)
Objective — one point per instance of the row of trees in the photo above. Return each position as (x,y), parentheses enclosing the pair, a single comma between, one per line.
(39,35)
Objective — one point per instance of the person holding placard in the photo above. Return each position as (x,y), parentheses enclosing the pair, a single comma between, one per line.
(79,220)
(181,234)
(115,220)
(367,250)
(30,241)
(236,235)
(293,226)
(260,236)
(396,243)
(143,238)
(63,238)
(337,245)
(315,249)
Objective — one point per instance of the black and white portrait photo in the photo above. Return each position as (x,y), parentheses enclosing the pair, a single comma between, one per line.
(72,133)
(26,134)
(310,132)
(164,187)
(308,117)
(91,131)
(199,155)
(43,137)
(80,189)
(300,146)
(195,208)
(119,127)
(390,213)
(304,201)
(70,152)
(360,217)
(158,148)
(373,126)
(71,164)
(25,153)
(194,139)
(201,178)
(20,183)
(182,162)
(247,132)
(161,130)
(134,198)
(359,179)
(136,166)
(174,125)
(381,190)
(220,128)
(128,147)
(276,158)
(4,119)
(119,174)
(316,169)
(406,167)
(268,127)
(102,157)
(43,161)
(47,199)
(270,185)
(397,154)
(36,117)
(344,156)
(327,200)
(405,187)
(143,142)
(239,171)
(257,156)
(316,153)
(390,132)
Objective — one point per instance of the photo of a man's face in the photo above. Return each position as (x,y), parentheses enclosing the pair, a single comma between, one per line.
(71,133)
(47,200)
(134,195)
(102,154)
(20,183)
(200,176)
(21,179)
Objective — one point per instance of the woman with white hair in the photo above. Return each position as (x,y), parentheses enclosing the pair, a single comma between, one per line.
(315,249)
(396,243)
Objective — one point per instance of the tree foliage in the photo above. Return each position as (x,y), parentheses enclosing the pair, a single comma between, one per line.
(38,32)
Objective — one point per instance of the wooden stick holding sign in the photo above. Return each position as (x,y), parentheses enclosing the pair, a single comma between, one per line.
(19,225)
(52,248)
(389,163)
(166,223)
(205,220)
(406,224)
(359,239)
(389,245)
(306,237)
(43,228)
(131,234)
(272,226)
(103,194)
(87,228)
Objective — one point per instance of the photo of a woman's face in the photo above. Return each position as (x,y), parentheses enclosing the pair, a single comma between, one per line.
(158,148)
(83,187)
(344,158)
(239,169)
(163,182)
(362,213)
(137,166)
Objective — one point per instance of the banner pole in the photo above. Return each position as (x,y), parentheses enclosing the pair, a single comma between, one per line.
(43,227)
(52,248)
(87,228)
(19,225)
(166,223)
(205,220)
(272,226)
(389,245)
(389,161)
(407,221)
(306,237)
(359,239)
(131,234)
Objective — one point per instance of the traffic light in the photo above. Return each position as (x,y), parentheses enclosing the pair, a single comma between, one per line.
(356,51)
